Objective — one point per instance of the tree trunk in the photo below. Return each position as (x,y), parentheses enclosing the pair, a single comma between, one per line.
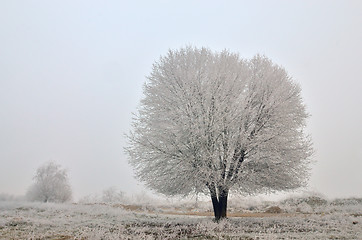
(215,205)
(219,203)
(223,201)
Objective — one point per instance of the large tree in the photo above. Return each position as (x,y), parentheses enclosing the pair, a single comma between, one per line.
(212,122)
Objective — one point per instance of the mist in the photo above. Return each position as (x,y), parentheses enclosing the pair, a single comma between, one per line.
(72,73)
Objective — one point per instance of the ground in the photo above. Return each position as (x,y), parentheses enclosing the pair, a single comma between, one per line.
(296,219)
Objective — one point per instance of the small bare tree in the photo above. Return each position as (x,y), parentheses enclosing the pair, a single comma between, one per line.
(112,195)
(51,184)
(213,122)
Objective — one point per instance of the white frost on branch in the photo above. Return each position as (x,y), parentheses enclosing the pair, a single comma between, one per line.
(215,120)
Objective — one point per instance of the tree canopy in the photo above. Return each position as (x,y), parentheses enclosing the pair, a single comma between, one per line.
(211,122)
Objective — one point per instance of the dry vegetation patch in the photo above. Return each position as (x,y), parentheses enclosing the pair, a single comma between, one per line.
(118,221)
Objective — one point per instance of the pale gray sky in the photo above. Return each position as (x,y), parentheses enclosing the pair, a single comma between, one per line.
(71,74)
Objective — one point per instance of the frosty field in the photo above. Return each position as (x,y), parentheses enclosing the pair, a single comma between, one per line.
(308,218)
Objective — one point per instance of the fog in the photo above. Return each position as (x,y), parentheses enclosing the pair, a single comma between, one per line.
(71,74)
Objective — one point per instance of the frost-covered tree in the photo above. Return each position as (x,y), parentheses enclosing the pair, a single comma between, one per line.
(51,184)
(112,195)
(212,122)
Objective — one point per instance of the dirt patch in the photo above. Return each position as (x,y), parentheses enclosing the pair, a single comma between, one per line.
(270,212)
(274,209)
(232,214)
(129,207)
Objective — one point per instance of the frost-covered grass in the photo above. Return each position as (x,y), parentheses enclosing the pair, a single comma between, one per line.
(299,218)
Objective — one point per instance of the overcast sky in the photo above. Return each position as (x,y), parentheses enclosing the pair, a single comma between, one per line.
(71,74)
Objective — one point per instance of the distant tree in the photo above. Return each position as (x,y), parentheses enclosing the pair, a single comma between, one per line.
(51,184)
(112,195)
(213,123)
